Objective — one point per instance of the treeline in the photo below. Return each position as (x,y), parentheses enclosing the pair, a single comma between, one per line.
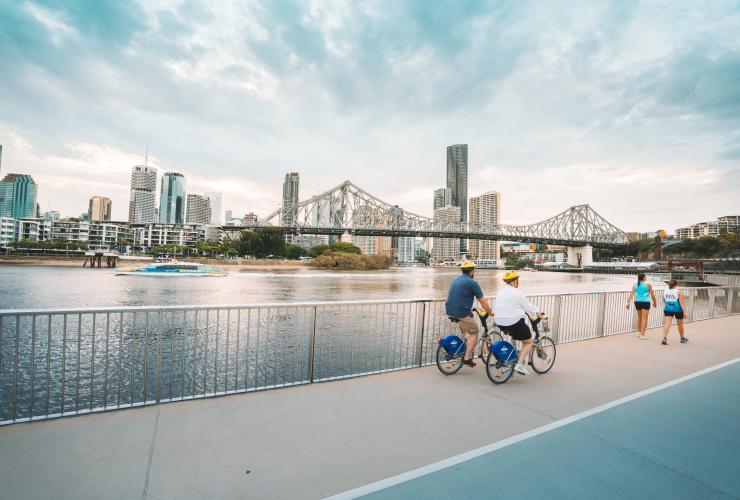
(707,247)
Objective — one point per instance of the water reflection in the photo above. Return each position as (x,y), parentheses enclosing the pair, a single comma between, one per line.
(73,287)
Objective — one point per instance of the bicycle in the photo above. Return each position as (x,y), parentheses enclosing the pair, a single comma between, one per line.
(502,357)
(451,349)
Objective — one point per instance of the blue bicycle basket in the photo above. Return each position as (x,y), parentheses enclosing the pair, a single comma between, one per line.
(453,344)
(503,351)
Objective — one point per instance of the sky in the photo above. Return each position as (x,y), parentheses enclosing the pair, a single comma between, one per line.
(632,107)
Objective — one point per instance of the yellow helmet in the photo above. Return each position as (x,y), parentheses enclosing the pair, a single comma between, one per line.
(467,265)
(510,276)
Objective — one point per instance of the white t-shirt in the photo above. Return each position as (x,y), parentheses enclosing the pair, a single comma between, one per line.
(511,306)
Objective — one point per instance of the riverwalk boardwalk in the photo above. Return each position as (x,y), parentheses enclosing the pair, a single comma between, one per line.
(448,437)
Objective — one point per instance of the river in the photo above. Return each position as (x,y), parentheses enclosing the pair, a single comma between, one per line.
(40,287)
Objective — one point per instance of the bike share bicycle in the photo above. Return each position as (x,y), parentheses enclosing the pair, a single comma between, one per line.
(502,355)
(451,350)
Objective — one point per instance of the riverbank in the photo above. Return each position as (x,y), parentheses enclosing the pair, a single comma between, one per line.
(78,261)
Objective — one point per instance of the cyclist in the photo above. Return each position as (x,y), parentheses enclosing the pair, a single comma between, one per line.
(509,311)
(463,291)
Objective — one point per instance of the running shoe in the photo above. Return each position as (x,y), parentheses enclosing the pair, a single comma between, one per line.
(521,369)
(664,342)
(684,340)
(642,337)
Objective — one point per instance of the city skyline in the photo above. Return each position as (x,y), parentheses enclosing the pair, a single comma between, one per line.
(626,114)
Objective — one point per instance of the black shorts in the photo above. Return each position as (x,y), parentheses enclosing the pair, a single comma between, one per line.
(677,315)
(518,331)
(642,306)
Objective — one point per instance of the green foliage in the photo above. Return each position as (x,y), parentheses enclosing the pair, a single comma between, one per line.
(423,256)
(294,251)
(167,250)
(514,261)
(261,243)
(724,245)
(336,247)
(47,245)
(351,261)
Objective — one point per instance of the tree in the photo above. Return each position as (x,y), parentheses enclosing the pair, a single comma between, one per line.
(318,250)
(262,242)
(343,247)
(294,251)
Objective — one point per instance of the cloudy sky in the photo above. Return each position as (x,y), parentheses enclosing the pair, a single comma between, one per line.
(632,107)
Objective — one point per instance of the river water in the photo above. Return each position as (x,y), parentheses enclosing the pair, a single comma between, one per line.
(40,287)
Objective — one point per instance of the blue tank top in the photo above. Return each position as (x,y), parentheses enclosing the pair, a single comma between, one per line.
(642,292)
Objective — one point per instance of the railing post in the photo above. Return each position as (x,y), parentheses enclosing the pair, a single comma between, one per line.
(313,346)
(713,293)
(420,347)
(690,306)
(158,375)
(730,294)
(600,313)
(556,319)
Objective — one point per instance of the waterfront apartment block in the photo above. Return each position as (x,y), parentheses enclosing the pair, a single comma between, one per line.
(484,210)
(250,219)
(172,199)
(446,249)
(18,194)
(198,210)
(711,228)
(141,206)
(99,209)
(152,235)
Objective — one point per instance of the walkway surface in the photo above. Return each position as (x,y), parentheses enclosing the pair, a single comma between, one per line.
(323,439)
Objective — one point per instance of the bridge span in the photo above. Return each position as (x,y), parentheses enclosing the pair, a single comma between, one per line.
(349,210)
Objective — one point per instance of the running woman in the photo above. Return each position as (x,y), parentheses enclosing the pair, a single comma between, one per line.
(674,308)
(643,294)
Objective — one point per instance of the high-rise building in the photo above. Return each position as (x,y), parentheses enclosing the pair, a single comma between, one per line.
(172,199)
(99,209)
(216,201)
(290,201)
(18,196)
(228,218)
(250,219)
(442,198)
(141,205)
(457,181)
(457,177)
(290,198)
(446,249)
(485,210)
(198,210)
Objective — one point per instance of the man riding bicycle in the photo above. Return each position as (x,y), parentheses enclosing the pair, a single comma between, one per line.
(511,306)
(463,291)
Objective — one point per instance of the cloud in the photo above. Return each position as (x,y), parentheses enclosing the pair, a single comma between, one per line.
(625,94)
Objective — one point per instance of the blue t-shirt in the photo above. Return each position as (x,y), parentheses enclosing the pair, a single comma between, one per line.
(463,291)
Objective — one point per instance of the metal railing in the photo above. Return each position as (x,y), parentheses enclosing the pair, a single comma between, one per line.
(67,362)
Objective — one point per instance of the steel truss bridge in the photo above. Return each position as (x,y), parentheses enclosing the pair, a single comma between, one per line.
(348,209)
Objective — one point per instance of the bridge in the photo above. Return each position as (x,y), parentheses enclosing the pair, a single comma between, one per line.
(347,209)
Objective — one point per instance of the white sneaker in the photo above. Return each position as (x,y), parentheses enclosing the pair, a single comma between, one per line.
(642,337)
(521,369)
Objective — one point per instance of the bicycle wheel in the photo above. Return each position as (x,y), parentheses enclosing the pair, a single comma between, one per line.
(448,363)
(542,355)
(498,372)
(486,344)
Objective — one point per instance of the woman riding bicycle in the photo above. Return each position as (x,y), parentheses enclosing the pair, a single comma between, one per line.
(508,313)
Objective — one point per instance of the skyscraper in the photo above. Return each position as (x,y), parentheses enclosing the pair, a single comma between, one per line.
(99,208)
(290,198)
(290,202)
(172,199)
(198,210)
(143,193)
(485,210)
(216,201)
(18,196)
(457,181)
(442,197)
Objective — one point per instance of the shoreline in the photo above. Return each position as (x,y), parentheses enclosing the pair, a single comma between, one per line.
(77,261)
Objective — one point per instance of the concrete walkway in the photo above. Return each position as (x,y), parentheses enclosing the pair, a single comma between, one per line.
(318,440)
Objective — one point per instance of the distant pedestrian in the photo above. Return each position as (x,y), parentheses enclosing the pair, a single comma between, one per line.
(643,294)
(674,308)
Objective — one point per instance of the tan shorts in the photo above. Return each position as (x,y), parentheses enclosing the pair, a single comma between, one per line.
(469,327)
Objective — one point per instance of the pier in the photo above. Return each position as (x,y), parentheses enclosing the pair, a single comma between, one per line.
(177,438)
